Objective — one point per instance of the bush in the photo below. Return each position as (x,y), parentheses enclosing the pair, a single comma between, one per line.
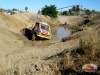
(2,10)
(76,28)
(50,11)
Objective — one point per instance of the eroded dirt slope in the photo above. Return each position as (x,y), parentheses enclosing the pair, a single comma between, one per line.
(15,49)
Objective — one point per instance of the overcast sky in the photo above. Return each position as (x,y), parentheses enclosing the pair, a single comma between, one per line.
(35,5)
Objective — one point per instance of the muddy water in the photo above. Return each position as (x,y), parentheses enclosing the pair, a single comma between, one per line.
(59,32)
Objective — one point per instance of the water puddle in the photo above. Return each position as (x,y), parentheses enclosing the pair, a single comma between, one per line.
(59,32)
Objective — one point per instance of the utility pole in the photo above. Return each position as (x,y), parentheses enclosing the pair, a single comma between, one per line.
(63,8)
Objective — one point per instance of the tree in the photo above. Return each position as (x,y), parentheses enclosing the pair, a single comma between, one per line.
(88,12)
(2,10)
(65,13)
(26,8)
(77,8)
(74,8)
(93,11)
(50,11)
(39,11)
(70,11)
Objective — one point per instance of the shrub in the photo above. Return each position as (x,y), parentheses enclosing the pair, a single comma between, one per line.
(76,28)
(2,10)
(50,11)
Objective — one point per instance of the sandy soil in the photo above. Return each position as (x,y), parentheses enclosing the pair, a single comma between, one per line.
(69,19)
(16,49)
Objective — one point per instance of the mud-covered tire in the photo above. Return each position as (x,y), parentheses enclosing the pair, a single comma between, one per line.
(33,37)
(23,31)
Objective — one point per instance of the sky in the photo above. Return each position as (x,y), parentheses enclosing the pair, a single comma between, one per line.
(35,5)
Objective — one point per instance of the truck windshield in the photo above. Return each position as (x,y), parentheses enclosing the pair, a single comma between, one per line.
(45,27)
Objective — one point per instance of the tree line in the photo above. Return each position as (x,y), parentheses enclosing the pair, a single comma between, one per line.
(53,12)
(2,10)
(75,10)
(85,11)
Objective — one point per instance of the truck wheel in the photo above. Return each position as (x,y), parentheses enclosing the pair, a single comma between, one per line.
(33,37)
(23,31)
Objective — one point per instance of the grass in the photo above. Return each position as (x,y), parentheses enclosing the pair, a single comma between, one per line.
(76,28)
(89,45)
(88,52)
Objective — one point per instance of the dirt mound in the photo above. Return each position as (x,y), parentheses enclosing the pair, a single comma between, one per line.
(19,55)
(69,19)
(11,23)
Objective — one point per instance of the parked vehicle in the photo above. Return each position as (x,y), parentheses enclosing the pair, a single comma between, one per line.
(39,30)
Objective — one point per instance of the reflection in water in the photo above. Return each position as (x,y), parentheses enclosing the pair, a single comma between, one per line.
(59,33)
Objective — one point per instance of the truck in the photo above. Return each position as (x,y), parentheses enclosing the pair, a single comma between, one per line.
(39,30)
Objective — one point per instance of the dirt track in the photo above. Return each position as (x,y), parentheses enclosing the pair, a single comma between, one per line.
(16,49)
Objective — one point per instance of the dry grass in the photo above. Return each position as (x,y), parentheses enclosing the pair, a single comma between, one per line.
(88,52)
(90,43)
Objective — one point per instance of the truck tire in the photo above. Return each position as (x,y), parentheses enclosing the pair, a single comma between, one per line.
(33,37)
(23,31)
